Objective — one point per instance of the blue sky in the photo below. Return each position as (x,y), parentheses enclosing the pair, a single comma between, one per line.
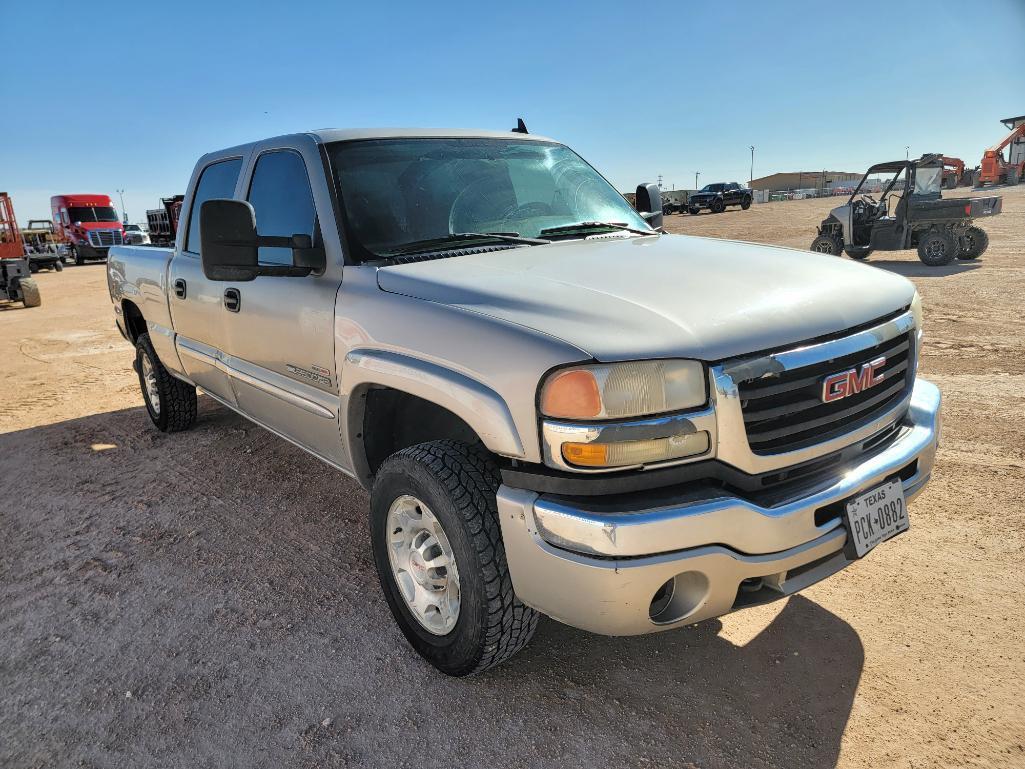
(670,88)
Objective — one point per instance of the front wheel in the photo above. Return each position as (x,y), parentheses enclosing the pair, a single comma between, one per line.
(30,292)
(694,211)
(973,243)
(827,244)
(745,203)
(171,403)
(58,266)
(718,206)
(440,558)
(936,248)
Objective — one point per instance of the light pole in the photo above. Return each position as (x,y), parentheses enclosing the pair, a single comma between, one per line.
(660,181)
(696,175)
(124,214)
(752,177)
(907,152)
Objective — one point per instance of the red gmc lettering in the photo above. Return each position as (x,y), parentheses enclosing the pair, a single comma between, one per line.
(838,386)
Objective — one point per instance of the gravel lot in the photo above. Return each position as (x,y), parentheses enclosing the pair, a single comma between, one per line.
(208,598)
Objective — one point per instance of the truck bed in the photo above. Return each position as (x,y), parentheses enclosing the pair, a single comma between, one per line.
(946,209)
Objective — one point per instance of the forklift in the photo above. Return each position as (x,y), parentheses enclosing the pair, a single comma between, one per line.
(910,213)
(16,283)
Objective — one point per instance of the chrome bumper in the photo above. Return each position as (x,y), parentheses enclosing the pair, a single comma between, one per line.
(600,570)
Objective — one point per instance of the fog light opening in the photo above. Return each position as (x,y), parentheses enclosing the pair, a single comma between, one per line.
(678,598)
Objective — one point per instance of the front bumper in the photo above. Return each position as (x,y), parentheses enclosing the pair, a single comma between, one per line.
(600,566)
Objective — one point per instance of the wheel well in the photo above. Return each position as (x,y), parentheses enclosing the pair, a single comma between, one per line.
(394,420)
(135,324)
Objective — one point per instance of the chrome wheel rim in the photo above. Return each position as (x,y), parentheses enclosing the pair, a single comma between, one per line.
(423,564)
(149,381)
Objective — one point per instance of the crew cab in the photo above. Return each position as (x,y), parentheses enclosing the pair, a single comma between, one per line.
(88,223)
(557,408)
(716,197)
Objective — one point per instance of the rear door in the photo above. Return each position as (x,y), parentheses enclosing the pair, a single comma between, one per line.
(280,339)
(197,302)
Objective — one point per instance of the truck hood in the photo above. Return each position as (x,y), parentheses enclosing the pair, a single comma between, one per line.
(659,297)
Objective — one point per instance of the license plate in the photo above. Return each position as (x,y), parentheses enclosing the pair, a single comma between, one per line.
(877,515)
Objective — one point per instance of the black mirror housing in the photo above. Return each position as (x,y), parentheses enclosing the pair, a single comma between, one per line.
(648,203)
(228,240)
(230,245)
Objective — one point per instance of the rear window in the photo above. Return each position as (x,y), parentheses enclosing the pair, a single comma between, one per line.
(216,182)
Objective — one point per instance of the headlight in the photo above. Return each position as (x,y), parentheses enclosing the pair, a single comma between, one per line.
(624,390)
(916,312)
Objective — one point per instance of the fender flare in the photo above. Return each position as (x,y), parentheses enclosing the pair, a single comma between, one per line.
(483,409)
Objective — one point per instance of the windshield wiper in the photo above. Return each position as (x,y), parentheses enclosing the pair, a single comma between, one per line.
(569,229)
(431,244)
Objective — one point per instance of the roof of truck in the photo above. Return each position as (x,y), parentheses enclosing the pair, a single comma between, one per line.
(327,135)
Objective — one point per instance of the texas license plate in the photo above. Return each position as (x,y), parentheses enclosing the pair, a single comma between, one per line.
(877,515)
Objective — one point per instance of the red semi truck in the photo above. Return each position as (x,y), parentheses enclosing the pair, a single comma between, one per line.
(89,223)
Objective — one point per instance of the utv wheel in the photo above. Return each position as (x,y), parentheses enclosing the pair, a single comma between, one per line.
(974,243)
(717,206)
(30,292)
(827,244)
(440,558)
(171,403)
(694,211)
(936,248)
(745,203)
(58,266)
(857,252)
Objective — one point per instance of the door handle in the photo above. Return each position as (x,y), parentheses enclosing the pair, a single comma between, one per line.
(179,288)
(232,300)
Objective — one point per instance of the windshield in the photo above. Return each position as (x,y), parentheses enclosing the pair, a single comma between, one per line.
(401,191)
(133,228)
(713,188)
(92,214)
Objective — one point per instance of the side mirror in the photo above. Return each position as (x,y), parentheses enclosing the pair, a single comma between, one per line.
(648,203)
(230,245)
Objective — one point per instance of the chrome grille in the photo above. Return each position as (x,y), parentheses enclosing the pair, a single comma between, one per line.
(105,238)
(785,412)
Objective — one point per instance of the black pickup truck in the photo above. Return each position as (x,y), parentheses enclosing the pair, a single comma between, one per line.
(715,197)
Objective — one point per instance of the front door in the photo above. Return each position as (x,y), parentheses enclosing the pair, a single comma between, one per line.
(196,302)
(280,338)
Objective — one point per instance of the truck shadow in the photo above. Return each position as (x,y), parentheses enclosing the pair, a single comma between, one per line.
(231,574)
(919,270)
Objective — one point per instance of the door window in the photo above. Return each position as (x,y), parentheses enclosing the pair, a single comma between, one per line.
(215,183)
(281,197)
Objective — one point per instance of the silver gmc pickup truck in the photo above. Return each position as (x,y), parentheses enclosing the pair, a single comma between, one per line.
(557,408)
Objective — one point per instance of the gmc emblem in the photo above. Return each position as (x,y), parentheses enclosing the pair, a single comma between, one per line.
(838,386)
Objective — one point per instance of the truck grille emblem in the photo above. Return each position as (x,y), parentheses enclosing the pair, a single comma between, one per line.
(838,386)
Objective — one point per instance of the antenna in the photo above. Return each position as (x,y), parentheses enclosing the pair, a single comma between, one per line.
(521,127)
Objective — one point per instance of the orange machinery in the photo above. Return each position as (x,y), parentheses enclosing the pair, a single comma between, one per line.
(953,173)
(11,244)
(995,168)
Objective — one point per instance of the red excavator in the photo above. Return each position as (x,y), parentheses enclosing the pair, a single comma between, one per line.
(16,284)
(998,170)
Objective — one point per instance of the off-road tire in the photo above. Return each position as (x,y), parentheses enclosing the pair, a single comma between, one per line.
(33,268)
(827,244)
(694,211)
(717,206)
(937,249)
(973,244)
(79,259)
(857,252)
(58,266)
(30,292)
(745,203)
(177,409)
(458,483)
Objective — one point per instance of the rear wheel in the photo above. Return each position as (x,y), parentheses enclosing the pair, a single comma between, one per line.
(78,257)
(694,211)
(58,266)
(827,244)
(30,292)
(171,403)
(438,549)
(936,248)
(745,203)
(718,206)
(974,243)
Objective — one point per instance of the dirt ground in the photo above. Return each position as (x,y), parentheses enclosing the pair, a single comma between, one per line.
(208,599)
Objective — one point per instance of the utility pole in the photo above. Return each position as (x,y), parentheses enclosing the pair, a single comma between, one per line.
(660,181)
(696,175)
(752,177)
(124,215)
(907,152)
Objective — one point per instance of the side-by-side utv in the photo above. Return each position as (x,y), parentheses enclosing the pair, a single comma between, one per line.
(910,213)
